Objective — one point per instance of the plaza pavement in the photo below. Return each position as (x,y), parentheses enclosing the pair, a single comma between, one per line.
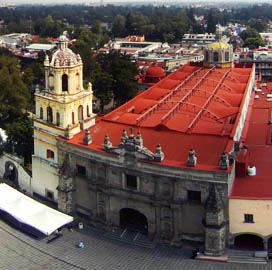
(19,251)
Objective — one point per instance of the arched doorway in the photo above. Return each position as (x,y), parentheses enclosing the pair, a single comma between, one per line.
(248,241)
(49,115)
(11,173)
(133,220)
(80,113)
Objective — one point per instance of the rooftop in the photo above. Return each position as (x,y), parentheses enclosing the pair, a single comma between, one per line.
(195,107)
(258,146)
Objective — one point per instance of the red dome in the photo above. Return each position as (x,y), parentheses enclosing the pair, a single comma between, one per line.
(155,72)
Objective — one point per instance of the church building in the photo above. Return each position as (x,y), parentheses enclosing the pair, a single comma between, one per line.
(162,163)
(63,108)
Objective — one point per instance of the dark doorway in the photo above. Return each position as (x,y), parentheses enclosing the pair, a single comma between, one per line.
(270,245)
(133,220)
(249,241)
(11,174)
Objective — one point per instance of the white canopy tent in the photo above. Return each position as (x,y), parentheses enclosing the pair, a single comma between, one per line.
(31,212)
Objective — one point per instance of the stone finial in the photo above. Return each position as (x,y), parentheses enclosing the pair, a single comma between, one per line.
(46,60)
(139,140)
(68,132)
(90,87)
(224,161)
(107,144)
(131,135)
(159,155)
(191,161)
(87,137)
(124,136)
(57,63)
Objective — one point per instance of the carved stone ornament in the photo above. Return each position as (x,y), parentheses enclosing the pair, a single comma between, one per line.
(224,161)
(87,137)
(133,146)
(191,161)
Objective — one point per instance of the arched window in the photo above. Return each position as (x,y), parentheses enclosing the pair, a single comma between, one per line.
(88,112)
(41,113)
(73,117)
(58,119)
(50,154)
(64,82)
(49,115)
(80,113)
(215,56)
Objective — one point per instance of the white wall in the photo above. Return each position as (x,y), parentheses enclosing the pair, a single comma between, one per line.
(24,179)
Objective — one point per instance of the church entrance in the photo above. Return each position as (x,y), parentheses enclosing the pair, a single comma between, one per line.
(249,241)
(133,220)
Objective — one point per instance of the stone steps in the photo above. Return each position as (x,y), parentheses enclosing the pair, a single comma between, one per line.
(130,237)
(244,256)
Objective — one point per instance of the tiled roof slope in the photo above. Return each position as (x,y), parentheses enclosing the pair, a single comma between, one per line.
(195,107)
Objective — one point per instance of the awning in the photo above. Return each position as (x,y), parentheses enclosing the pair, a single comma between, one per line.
(30,212)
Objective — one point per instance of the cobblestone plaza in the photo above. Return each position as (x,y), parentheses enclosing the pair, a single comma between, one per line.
(20,251)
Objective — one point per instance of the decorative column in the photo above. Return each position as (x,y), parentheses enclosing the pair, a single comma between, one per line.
(215,225)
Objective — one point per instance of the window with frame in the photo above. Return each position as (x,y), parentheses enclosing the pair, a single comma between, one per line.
(49,194)
(131,181)
(81,170)
(215,56)
(194,196)
(249,218)
(41,113)
(50,154)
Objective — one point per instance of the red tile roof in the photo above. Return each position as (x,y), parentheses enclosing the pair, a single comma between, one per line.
(195,107)
(259,149)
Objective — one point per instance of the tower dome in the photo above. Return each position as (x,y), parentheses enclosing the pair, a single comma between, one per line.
(64,56)
(218,53)
(155,72)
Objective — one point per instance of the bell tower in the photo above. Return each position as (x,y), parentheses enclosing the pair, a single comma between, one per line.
(63,108)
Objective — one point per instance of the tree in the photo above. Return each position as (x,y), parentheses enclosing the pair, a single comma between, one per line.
(14,95)
(20,138)
(258,25)
(123,73)
(211,22)
(251,38)
(103,88)
(253,43)
(118,26)
(249,33)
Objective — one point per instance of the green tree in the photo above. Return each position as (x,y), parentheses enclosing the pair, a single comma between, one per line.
(20,137)
(103,88)
(123,73)
(211,22)
(258,25)
(118,26)
(14,95)
(253,43)
(249,33)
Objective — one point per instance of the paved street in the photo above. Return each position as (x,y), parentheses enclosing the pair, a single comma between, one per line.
(19,251)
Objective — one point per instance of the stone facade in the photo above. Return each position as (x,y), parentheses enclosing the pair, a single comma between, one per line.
(95,185)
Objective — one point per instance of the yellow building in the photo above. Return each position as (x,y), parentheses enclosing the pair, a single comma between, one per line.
(63,108)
